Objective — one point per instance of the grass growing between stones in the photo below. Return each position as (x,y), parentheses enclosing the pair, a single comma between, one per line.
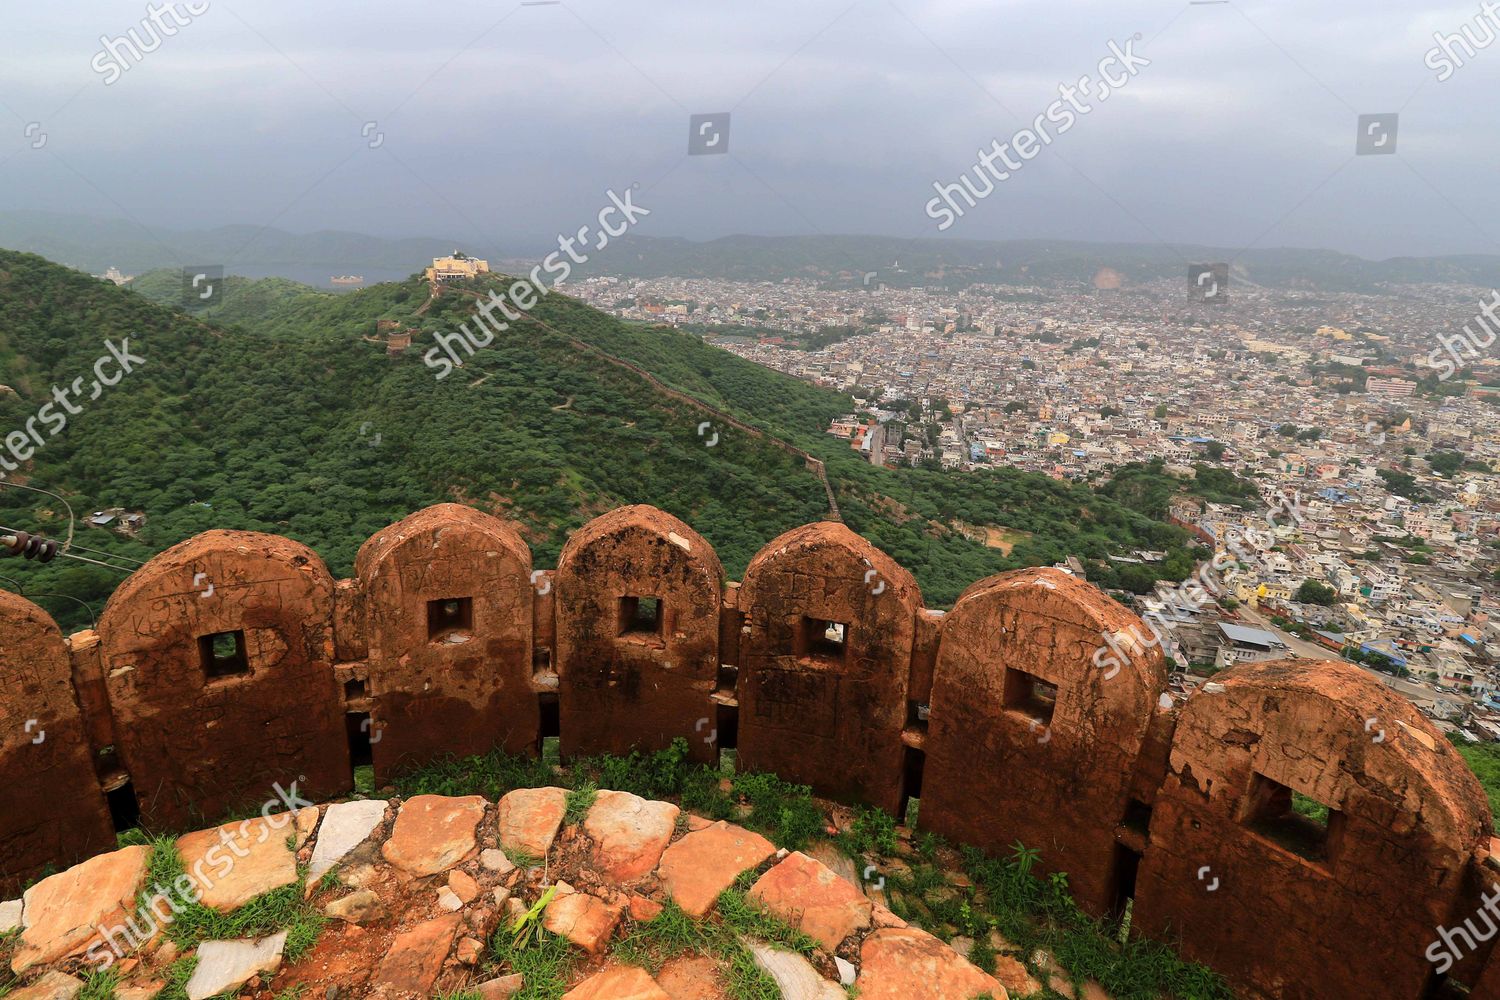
(1005,896)
(178,974)
(545,962)
(720,935)
(282,909)
(99,984)
(8,942)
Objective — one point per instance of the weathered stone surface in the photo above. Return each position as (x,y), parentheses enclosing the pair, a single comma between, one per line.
(209,737)
(51,986)
(416,956)
(624,982)
(346,825)
(468,950)
(629,833)
(495,860)
(433,833)
(794,975)
(798,691)
(51,809)
(1054,775)
(701,865)
(439,689)
(10,915)
(585,920)
(692,977)
(529,819)
(808,896)
(632,684)
(463,886)
(359,907)
(1407,819)
(225,966)
(898,964)
(502,988)
(254,857)
(63,913)
(141,991)
(1018,982)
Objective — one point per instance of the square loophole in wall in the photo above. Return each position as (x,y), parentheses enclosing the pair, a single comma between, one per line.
(822,639)
(223,655)
(449,618)
(1291,820)
(640,617)
(1029,695)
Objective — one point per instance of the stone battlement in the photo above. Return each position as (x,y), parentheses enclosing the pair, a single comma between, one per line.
(234,660)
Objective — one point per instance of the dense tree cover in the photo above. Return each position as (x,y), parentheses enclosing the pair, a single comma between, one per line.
(289,421)
(1148,488)
(1313,592)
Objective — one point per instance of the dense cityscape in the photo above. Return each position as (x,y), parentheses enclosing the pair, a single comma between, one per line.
(1336,402)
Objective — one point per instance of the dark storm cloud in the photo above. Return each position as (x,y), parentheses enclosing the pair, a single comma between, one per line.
(506,123)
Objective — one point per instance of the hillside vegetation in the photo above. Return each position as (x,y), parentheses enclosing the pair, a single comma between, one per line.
(289,418)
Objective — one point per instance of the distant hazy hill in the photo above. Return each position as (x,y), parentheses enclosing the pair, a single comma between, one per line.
(291,420)
(95,244)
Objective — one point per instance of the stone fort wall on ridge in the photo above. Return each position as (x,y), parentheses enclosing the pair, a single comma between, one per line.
(234,661)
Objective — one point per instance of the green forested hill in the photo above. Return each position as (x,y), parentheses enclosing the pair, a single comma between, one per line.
(286,419)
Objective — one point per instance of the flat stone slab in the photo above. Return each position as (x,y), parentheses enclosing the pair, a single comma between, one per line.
(433,833)
(586,921)
(692,977)
(234,863)
(529,819)
(796,977)
(629,834)
(62,914)
(225,966)
(701,865)
(899,963)
(10,915)
(52,986)
(624,982)
(807,895)
(346,825)
(415,957)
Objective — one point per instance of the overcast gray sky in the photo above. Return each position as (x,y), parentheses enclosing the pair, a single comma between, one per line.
(505,122)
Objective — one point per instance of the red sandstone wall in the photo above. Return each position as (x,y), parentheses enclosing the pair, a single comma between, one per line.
(832,720)
(467,689)
(51,808)
(198,746)
(1410,853)
(1395,863)
(625,685)
(1057,777)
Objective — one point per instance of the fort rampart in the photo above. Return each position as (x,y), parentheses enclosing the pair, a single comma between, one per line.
(234,661)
